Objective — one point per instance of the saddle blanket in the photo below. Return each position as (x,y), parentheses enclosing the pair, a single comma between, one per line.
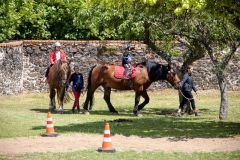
(119,70)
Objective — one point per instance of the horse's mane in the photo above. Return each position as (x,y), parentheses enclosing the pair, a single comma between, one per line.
(156,71)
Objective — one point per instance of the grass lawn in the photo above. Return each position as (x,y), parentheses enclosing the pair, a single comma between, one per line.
(131,155)
(25,115)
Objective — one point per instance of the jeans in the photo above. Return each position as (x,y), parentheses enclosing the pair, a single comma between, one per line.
(187,94)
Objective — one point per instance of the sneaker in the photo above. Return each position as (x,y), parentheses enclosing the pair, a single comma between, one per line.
(73,110)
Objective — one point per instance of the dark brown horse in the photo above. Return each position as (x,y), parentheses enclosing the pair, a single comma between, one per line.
(58,76)
(146,73)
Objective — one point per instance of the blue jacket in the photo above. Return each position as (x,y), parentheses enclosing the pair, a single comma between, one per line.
(187,83)
(78,82)
(126,58)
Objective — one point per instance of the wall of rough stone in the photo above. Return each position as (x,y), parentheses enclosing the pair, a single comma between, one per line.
(23,63)
(11,69)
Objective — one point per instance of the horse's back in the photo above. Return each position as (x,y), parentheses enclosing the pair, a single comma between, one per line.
(103,74)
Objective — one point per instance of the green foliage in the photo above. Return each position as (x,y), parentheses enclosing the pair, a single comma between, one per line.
(9,20)
(105,19)
(33,23)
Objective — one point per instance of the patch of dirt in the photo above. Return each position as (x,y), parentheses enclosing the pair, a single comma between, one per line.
(69,143)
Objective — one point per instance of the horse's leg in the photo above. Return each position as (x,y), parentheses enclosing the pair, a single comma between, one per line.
(146,100)
(60,101)
(107,93)
(52,104)
(137,100)
(87,102)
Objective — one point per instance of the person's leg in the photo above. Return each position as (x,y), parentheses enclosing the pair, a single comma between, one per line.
(76,101)
(183,101)
(78,104)
(192,101)
(129,67)
(47,71)
(125,71)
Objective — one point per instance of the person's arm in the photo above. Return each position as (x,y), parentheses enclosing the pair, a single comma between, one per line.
(64,58)
(194,87)
(129,59)
(185,77)
(82,84)
(69,81)
(52,58)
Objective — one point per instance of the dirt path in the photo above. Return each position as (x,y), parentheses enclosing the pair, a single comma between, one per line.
(66,143)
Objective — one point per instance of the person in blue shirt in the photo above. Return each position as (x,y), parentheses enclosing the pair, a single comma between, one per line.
(126,62)
(77,85)
(186,86)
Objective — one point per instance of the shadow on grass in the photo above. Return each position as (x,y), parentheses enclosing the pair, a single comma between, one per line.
(66,111)
(156,127)
(92,112)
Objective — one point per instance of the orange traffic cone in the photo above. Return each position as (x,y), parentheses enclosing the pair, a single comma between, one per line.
(49,129)
(107,144)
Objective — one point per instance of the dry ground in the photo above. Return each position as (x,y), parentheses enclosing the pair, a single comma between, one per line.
(68,143)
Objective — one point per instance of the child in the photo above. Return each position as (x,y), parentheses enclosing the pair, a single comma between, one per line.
(57,54)
(77,86)
(126,62)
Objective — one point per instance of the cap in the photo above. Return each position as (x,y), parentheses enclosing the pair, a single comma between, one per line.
(126,46)
(57,44)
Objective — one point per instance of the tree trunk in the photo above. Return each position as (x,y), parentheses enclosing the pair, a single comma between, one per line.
(223,112)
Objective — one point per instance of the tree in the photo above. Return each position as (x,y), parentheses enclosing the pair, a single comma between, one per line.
(215,31)
(9,20)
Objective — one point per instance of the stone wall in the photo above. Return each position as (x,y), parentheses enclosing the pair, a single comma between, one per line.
(23,63)
(11,69)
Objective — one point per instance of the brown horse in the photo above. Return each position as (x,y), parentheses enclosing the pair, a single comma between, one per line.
(58,76)
(146,73)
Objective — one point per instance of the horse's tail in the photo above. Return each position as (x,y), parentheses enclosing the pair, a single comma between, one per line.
(89,97)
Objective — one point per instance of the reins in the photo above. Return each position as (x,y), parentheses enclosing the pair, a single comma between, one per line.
(189,99)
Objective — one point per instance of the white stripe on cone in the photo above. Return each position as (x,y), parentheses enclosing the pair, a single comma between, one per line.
(106,139)
(49,125)
(106,131)
(49,119)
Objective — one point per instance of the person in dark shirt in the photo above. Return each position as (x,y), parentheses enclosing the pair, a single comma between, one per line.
(77,85)
(186,86)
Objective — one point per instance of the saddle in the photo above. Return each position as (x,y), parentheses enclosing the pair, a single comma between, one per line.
(119,70)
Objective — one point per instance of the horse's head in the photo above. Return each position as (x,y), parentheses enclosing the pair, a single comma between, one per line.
(172,77)
(64,71)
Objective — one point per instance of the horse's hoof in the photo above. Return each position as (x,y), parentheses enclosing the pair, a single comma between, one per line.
(115,113)
(51,109)
(60,111)
(86,112)
(137,113)
(178,114)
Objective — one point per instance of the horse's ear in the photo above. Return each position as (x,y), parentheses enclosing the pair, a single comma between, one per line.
(70,60)
(169,66)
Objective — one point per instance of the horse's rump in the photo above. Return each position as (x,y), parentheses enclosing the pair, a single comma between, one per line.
(119,70)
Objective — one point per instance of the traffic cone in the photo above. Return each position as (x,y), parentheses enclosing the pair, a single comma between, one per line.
(107,144)
(50,128)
